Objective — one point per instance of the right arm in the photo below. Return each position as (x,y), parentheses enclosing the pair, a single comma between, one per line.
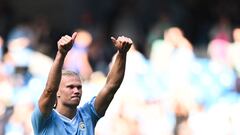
(48,97)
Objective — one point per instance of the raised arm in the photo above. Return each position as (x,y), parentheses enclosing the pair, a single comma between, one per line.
(115,76)
(48,97)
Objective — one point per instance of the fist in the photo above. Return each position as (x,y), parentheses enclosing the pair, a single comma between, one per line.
(65,43)
(123,44)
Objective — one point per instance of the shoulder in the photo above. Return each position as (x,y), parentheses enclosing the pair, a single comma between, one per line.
(39,121)
(88,109)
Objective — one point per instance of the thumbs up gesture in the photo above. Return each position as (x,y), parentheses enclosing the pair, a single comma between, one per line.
(123,44)
(66,42)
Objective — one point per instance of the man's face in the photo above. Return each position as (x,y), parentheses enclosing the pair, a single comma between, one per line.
(70,91)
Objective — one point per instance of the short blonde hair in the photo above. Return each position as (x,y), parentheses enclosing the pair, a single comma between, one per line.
(69,73)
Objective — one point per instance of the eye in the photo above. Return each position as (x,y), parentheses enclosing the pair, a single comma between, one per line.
(79,87)
(70,86)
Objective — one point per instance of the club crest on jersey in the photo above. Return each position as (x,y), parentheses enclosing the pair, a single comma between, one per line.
(82,126)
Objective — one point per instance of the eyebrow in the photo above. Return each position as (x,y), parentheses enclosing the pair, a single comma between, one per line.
(75,85)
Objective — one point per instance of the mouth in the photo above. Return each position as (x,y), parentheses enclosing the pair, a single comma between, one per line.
(75,97)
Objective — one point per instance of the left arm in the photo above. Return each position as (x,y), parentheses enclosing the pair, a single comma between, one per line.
(115,76)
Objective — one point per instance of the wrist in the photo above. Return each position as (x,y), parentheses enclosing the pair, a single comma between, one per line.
(61,53)
(121,53)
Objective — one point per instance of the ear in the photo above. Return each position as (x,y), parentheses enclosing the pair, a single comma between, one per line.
(58,94)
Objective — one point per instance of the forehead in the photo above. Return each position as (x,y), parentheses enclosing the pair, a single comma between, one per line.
(71,79)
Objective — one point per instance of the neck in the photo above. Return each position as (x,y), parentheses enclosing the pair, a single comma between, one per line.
(68,112)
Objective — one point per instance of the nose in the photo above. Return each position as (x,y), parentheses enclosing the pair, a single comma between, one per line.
(76,90)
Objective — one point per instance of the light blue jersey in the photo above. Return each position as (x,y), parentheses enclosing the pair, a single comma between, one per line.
(83,123)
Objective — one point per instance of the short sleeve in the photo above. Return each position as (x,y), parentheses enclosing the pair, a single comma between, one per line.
(88,108)
(38,120)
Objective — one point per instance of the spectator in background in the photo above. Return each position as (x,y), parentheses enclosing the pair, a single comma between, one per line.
(172,57)
(222,29)
(179,66)
(77,60)
(217,50)
(6,107)
(216,70)
(157,31)
(19,48)
(18,75)
(233,51)
(64,89)
(234,55)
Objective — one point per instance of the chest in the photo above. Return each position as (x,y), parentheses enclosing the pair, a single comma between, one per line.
(79,126)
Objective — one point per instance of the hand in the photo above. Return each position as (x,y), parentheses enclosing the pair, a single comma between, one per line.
(123,44)
(65,43)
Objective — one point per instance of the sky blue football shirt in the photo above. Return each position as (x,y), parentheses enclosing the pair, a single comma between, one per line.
(83,123)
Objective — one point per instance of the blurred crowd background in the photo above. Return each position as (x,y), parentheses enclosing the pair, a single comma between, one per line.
(182,75)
